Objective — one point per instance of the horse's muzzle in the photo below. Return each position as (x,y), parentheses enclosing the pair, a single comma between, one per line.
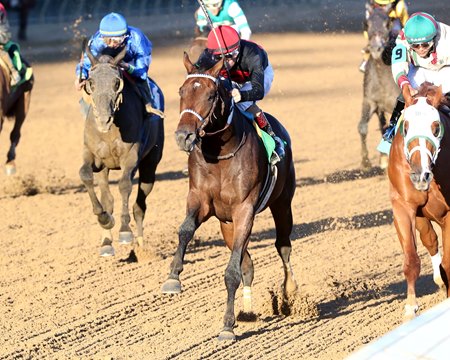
(422,180)
(185,140)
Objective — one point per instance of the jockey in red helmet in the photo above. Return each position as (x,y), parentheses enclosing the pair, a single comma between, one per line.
(250,72)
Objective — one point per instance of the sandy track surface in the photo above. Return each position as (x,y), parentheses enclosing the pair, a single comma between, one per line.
(59,299)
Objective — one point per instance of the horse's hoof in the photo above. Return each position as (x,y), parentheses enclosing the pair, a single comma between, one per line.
(140,241)
(384,161)
(125,237)
(410,312)
(171,286)
(107,250)
(226,335)
(106,220)
(10,169)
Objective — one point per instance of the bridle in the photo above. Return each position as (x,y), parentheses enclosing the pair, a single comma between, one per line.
(208,118)
(422,132)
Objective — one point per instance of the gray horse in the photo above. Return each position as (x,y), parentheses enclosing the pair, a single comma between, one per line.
(118,134)
(380,90)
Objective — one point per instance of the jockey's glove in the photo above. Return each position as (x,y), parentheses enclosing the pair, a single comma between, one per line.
(236,94)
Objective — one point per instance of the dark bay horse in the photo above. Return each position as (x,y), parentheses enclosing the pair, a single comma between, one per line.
(420,186)
(379,88)
(118,134)
(227,171)
(14,105)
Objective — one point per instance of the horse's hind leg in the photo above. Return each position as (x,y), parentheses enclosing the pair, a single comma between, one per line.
(282,215)
(246,266)
(363,129)
(430,241)
(147,170)
(20,113)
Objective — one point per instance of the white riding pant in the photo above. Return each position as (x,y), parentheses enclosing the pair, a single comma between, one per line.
(418,75)
(268,79)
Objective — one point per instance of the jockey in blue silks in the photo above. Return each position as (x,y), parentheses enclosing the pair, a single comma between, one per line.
(113,35)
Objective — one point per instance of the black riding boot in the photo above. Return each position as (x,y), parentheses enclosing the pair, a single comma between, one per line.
(144,89)
(279,153)
(390,130)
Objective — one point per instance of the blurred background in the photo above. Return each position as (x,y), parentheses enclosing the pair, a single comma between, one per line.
(54,27)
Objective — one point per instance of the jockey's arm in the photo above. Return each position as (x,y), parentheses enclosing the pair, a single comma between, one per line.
(140,52)
(240,20)
(256,71)
(400,65)
(201,21)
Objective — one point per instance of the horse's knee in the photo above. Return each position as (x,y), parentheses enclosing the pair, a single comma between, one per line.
(363,128)
(86,174)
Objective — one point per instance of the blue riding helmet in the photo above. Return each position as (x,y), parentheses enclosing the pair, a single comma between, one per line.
(113,24)
(421,27)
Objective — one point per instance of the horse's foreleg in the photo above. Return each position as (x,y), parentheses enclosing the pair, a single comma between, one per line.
(404,220)
(282,215)
(363,129)
(186,232)
(445,265)
(430,241)
(243,222)
(125,187)
(147,170)
(246,266)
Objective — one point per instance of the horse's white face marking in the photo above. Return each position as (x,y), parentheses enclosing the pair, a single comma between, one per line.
(197,84)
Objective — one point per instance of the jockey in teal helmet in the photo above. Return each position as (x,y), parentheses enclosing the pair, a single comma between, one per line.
(422,53)
(112,36)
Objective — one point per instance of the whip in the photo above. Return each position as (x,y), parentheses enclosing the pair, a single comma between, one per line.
(83,48)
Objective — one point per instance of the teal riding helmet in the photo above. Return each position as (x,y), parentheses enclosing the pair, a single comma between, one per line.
(421,27)
(113,24)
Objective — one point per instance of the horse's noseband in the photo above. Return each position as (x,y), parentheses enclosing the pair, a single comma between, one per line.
(207,119)
(422,130)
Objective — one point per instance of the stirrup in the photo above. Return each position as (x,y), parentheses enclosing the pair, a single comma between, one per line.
(151,110)
(279,153)
(389,133)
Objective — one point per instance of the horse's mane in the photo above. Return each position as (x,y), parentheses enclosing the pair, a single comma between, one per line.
(434,94)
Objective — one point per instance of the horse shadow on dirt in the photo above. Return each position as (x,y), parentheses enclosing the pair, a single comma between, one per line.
(341,176)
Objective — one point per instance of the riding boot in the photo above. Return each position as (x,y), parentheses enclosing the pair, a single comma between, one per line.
(15,76)
(146,94)
(396,113)
(279,152)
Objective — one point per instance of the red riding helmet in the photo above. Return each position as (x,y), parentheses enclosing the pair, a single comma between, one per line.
(228,40)
(3,14)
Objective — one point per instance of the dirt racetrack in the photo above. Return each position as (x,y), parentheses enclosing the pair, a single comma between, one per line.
(59,299)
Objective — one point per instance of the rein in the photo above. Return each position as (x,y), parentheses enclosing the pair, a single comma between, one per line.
(206,120)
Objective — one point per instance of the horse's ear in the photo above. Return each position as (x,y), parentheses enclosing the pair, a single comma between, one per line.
(119,56)
(215,70)
(91,56)
(187,63)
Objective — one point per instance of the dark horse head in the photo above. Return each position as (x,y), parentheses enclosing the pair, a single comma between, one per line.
(378,30)
(201,99)
(104,86)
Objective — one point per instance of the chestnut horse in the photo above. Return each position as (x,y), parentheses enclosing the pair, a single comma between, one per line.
(14,105)
(420,186)
(228,166)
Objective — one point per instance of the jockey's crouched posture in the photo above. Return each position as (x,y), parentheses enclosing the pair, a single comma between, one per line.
(251,75)
(10,53)
(422,53)
(113,35)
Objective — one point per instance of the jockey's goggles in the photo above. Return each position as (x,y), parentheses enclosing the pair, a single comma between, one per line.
(114,40)
(230,55)
(214,6)
(425,45)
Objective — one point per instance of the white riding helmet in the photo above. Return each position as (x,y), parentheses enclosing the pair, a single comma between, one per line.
(213,4)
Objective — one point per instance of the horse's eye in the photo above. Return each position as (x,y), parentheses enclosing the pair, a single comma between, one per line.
(116,84)
(211,97)
(405,128)
(436,128)
(181,92)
